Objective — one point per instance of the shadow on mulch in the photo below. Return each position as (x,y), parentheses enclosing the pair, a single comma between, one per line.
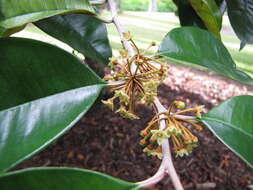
(105,142)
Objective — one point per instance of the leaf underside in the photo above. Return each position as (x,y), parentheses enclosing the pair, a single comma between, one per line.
(240,13)
(232,122)
(15,14)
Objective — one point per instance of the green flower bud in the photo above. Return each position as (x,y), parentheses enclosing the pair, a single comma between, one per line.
(123,97)
(126,114)
(158,135)
(190,147)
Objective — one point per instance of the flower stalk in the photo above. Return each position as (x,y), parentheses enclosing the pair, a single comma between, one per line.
(131,75)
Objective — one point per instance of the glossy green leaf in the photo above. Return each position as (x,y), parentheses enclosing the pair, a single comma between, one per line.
(210,14)
(16,13)
(61,179)
(44,91)
(232,123)
(192,45)
(83,33)
(240,14)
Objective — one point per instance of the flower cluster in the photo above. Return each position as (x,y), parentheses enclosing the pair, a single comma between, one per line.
(134,79)
(182,139)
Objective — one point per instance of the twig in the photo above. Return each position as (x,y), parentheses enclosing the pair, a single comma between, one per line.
(166,166)
(126,44)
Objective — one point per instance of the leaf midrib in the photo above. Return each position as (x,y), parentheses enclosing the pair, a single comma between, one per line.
(229,125)
(29,102)
(51,10)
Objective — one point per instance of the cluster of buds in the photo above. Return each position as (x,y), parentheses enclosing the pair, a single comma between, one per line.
(134,79)
(182,139)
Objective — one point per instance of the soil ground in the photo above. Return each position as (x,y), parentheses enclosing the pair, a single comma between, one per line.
(105,142)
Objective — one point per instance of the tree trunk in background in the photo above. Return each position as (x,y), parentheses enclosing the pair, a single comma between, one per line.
(119,4)
(152,6)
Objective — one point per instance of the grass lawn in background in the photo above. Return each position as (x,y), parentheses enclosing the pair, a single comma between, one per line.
(147,27)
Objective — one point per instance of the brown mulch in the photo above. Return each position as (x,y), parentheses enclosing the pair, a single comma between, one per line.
(105,142)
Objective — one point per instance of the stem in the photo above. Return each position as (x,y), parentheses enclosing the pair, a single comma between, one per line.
(119,27)
(121,30)
(166,166)
(116,83)
(167,158)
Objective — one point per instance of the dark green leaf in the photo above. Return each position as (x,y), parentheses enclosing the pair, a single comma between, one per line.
(44,91)
(219,2)
(232,122)
(240,14)
(195,46)
(187,15)
(14,14)
(210,14)
(82,32)
(61,179)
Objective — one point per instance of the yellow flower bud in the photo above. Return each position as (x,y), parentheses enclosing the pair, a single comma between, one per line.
(144,133)
(123,53)
(127,36)
(109,103)
(199,109)
(153,43)
(179,104)
(143,142)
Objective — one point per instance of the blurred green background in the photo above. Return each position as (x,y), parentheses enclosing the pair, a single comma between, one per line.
(143,5)
(147,26)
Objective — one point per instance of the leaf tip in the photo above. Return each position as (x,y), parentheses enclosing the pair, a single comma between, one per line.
(242,45)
